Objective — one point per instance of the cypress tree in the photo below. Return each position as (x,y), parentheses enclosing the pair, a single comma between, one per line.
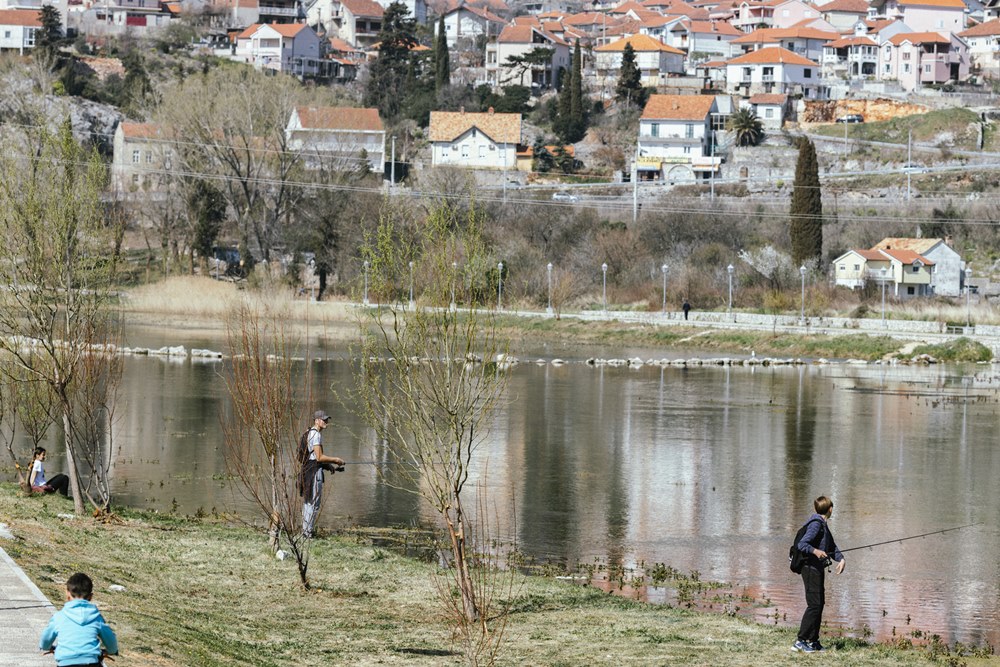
(48,37)
(576,93)
(442,61)
(629,85)
(807,207)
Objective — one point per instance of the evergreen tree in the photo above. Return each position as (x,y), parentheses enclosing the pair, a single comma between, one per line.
(746,127)
(442,61)
(392,70)
(807,207)
(48,37)
(137,89)
(571,123)
(544,160)
(576,93)
(629,88)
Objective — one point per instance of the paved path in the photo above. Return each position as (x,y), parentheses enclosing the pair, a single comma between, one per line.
(24,613)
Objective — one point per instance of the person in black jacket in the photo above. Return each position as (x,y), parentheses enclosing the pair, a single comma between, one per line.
(819,547)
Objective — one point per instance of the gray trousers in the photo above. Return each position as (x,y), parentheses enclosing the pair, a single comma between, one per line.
(310,506)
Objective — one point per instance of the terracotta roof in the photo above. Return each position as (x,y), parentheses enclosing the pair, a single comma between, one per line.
(552,26)
(522,34)
(919,38)
(639,43)
(627,27)
(530,19)
(770,35)
(248,33)
(772,55)
(905,256)
(870,255)
(918,246)
(342,45)
(287,29)
(339,118)
(845,6)
(365,8)
(678,107)
(714,64)
(852,41)
(945,4)
(712,27)
(23,17)
(584,18)
(768,98)
(983,29)
(558,16)
(483,12)
(141,130)
(627,6)
(877,25)
(500,127)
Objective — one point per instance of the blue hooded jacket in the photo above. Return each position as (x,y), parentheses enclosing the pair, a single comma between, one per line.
(78,630)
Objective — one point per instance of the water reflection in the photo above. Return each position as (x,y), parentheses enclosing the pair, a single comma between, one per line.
(706,468)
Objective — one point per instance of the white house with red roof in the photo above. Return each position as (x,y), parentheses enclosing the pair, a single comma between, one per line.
(141,159)
(337,136)
(675,133)
(474,140)
(909,267)
(806,42)
(854,57)
(17,29)
(468,23)
(654,59)
(843,15)
(984,44)
(918,58)
(517,41)
(944,16)
(292,48)
(357,22)
(770,108)
(774,69)
(749,15)
(705,40)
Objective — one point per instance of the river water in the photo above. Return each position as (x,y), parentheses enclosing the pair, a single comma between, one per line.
(703,468)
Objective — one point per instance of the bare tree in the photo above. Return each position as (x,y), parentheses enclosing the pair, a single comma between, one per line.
(261,434)
(57,269)
(430,380)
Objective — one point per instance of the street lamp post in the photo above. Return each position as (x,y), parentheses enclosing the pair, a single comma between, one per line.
(604,288)
(802,308)
(729,270)
(365,302)
(500,286)
(883,271)
(549,269)
(663,270)
(454,277)
(968,291)
(411,285)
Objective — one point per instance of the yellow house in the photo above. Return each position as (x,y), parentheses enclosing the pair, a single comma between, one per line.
(905,271)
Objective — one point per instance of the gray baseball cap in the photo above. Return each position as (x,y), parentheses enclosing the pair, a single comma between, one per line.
(321,414)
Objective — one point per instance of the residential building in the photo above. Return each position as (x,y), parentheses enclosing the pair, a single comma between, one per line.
(915,59)
(62,6)
(660,28)
(292,48)
(947,275)
(750,15)
(337,137)
(775,69)
(468,23)
(704,40)
(119,17)
(357,22)
(904,272)
(855,268)
(851,58)
(474,140)
(675,133)
(141,159)
(844,14)
(654,59)
(516,41)
(984,46)
(944,16)
(17,29)
(806,42)
(771,109)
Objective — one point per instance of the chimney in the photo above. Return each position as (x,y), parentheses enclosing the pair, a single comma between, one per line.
(490,111)
(948,240)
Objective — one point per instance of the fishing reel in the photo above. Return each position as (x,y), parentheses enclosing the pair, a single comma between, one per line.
(826,562)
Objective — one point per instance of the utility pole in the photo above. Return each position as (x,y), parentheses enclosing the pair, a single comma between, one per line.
(711,154)
(909,160)
(845,137)
(392,168)
(635,187)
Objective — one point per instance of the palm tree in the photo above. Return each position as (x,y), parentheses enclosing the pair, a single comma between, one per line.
(746,127)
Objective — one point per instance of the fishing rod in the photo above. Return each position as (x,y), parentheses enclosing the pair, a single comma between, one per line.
(912,537)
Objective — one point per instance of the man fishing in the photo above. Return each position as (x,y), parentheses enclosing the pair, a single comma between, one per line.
(818,546)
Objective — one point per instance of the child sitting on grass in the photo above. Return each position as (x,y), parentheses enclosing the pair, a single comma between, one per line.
(79,628)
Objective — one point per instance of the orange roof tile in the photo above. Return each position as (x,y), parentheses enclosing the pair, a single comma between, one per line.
(870,255)
(500,127)
(852,41)
(905,256)
(365,8)
(678,107)
(768,98)
(585,18)
(944,4)
(141,130)
(983,29)
(522,34)
(552,26)
(339,118)
(845,7)
(22,17)
(627,6)
(772,55)
(877,25)
(639,43)
(288,29)
(919,38)
(918,246)
(712,27)
(530,19)
(248,33)
(342,45)
(771,35)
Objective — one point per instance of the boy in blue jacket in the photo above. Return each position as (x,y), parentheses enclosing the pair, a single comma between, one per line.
(79,628)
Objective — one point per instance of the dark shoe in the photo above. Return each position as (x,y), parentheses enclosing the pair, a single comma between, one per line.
(816,645)
(803,647)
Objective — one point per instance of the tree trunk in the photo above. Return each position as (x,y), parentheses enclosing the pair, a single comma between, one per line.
(456,530)
(74,480)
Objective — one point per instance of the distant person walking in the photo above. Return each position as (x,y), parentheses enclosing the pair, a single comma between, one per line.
(37,479)
(313,464)
(686,308)
(818,546)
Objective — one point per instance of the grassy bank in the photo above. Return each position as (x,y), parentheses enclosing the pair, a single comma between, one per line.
(200,592)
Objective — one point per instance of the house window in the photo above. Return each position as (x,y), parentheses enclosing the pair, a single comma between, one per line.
(135,157)
(843,267)
(444,152)
(857,267)
(654,130)
(768,113)
(807,73)
(482,151)
(927,68)
(906,55)
(689,131)
(888,68)
(906,68)
(465,150)
(911,290)
(149,157)
(687,150)
(6,34)
(29,37)
(916,268)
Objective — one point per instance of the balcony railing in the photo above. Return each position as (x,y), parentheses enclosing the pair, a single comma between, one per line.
(272,10)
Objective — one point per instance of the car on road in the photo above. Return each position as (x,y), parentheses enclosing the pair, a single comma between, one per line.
(914,168)
(851,118)
(564,196)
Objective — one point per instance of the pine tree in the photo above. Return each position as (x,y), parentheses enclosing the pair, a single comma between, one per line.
(48,37)
(391,72)
(807,207)
(442,61)
(576,92)
(629,88)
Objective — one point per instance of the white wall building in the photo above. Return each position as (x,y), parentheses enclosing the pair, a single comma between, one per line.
(335,137)
(17,29)
(474,140)
(674,136)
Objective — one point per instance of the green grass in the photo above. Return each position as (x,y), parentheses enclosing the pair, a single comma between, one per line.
(201,592)
(961,349)
(926,128)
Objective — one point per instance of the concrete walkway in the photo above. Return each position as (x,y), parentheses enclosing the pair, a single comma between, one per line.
(24,613)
